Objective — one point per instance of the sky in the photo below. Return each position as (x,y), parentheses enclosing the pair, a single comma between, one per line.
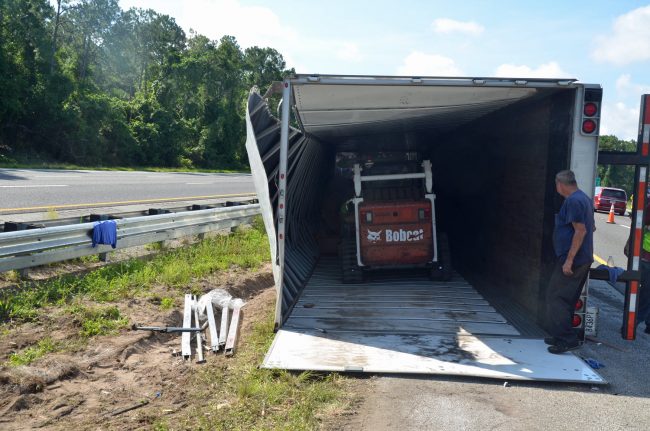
(599,41)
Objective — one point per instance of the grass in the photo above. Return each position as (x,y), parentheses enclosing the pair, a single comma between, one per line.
(30,354)
(167,303)
(98,320)
(12,164)
(245,248)
(239,396)
(52,214)
(246,397)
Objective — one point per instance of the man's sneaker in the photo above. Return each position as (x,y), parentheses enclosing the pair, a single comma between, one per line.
(562,347)
(551,341)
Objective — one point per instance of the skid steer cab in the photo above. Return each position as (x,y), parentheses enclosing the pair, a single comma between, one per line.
(391,223)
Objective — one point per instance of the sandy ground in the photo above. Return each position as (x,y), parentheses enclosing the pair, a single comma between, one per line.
(89,389)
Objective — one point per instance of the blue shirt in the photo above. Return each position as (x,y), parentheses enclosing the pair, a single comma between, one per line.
(577,208)
(105,232)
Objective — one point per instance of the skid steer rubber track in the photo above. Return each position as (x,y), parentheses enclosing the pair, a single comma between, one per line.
(350,271)
(442,270)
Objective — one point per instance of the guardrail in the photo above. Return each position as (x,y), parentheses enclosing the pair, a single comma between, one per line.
(34,247)
(10,225)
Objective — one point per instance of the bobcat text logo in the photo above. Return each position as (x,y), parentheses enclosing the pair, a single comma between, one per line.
(374,236)
(404,235)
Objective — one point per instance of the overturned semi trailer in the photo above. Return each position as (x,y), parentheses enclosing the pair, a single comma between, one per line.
(495,146)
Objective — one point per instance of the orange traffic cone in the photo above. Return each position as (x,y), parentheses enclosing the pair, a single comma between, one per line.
(610,219)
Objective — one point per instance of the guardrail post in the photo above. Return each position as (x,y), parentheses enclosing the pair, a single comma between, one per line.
(103,257)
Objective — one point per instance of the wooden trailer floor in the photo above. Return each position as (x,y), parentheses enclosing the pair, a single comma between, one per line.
(405,323)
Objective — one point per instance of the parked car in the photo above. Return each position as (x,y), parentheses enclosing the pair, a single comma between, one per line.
(604,197)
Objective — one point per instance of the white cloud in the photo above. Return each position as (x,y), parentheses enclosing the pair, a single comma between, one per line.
(620,120)
(448,25)
(251,25)
(349,51)
(626,88)
(421,64)
(546,70)
(629,40)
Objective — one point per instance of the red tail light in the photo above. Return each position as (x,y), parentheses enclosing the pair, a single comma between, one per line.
(579,304)
(590,109)
(577,320)
(589,126)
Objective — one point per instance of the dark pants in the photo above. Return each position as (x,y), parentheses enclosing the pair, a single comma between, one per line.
(561,297)
(643,309)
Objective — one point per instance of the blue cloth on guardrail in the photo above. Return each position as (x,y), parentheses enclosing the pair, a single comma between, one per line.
(614,272)
(105,232)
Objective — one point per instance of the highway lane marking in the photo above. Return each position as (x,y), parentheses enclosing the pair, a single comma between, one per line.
(45,207)
(599,259)
(34,186)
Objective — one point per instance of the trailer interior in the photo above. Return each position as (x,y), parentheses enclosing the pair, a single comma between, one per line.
(494,149)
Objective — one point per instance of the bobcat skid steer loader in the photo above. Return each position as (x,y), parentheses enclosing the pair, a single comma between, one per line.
(391,223)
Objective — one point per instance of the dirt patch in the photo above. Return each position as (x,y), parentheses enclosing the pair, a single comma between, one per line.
(124,381)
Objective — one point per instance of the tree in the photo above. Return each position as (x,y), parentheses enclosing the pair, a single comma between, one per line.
(262,66)
(83,81)
(91,21)
(618,176)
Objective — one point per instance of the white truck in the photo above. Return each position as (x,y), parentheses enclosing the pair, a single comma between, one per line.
(495,146)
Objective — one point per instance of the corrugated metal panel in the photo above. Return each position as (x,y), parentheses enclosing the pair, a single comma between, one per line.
(329,111)
(305,171)
(411,304)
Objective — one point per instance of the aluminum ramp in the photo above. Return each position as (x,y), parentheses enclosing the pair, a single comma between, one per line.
(408,324)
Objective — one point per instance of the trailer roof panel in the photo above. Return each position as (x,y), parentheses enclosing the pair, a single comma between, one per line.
(353,109)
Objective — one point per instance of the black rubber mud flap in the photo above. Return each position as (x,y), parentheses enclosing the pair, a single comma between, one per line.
(442,270)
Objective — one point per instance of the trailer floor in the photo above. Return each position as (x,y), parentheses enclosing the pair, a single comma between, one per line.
(405,323)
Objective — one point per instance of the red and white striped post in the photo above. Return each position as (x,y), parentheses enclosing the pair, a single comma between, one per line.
(632,292)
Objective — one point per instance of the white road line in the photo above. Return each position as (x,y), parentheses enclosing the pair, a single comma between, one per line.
(25,187)
(626,227)
(55,176)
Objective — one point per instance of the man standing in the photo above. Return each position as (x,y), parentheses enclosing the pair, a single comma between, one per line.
(573,243)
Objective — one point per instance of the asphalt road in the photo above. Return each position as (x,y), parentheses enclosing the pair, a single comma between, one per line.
(609,239)
(30,190)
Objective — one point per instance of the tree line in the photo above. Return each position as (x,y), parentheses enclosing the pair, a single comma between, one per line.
(85,82)
(618,176)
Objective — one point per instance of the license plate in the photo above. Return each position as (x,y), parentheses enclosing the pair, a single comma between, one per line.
(591,321)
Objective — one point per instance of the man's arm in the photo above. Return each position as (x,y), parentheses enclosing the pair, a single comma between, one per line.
(578,237)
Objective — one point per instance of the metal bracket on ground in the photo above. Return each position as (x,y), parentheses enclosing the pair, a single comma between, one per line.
(186,348)
(232,332)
